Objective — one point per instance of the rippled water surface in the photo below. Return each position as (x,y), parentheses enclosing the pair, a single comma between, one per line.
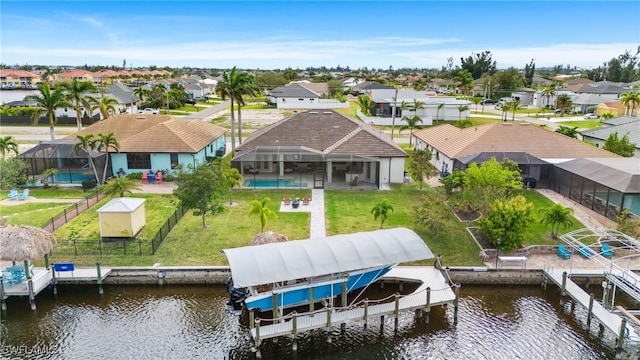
(190,322)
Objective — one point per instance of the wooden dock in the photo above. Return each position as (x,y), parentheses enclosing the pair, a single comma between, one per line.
(440,293)
(608,319)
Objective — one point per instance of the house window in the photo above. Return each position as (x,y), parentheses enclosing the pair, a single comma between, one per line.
(300,99)
(139,161)
(174,160)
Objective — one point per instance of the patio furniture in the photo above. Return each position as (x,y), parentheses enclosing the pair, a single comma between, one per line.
(563,252)
(295,203)
(145,178)
(354,181)
(286,199)
(159,177)
(152,178)
(606,251)
(249,169)
(24,195)
(306,199)
(584,251)
(8,279)
(13,194)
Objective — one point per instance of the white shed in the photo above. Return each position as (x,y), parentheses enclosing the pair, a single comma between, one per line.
(122,217)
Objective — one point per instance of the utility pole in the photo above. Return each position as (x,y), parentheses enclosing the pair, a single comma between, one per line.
(393,115)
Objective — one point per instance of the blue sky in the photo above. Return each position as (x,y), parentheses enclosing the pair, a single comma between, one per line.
(276,35)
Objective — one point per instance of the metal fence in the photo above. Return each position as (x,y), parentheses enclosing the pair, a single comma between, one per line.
(124,246)
(72,211)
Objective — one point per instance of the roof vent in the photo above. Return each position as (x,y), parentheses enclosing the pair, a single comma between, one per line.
(141,117)
(313,112)
(327,112)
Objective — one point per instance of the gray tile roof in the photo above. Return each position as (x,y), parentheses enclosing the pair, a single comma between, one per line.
(325,131)
(621,120)
(121,92)
(293,91)
(602,133)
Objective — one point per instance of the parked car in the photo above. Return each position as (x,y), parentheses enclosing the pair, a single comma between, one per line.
(566,111)
(591,116)
(190,101)
(487,102)
(148,111)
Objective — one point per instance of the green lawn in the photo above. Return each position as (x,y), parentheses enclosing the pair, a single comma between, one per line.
(582,124)
(34,214)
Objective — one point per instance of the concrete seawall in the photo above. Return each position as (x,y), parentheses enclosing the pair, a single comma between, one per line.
(217,275)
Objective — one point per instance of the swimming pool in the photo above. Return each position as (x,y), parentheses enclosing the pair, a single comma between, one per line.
(73,176)
(274,183)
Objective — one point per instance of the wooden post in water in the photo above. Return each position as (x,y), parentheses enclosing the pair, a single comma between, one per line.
(251,319)
(427,307)
(329,325)
(590,311)
(32,296)
(621,334)
(294,321)
(396,311)
(46,261)
(605,293)
(563,288)
(3,303)
(366,313)
(53,279)
(274,305)
(258,340)
(343,297)
(455,303)
(99,279)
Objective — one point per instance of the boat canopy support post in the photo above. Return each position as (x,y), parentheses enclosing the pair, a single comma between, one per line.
(257,340)
(590,312)
(3,303)
(274,307)
(396,312)
(455,303)
(294,321)
(311,302)
(427,306)
(329,310)
(366,313)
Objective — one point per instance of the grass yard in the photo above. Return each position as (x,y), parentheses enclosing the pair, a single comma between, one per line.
(537,233)
(52,193)
(34,214)
(582,124)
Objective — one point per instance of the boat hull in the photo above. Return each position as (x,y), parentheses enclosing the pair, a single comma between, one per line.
(300,295)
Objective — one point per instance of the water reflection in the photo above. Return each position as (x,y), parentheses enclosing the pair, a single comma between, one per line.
(190,322)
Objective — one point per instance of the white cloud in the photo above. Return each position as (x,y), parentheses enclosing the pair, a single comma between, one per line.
(91,21)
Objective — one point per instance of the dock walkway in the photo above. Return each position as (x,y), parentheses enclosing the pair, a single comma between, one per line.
(441,293)
(608,319)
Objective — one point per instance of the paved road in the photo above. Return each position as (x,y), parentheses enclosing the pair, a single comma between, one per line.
(208,113)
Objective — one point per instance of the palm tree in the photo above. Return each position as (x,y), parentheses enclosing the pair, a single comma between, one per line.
(106,142)
(140,92)
(233,178)
(548,92)
(8,144)
(476,100)
(606,116)
(47,102)
(381,210)
(514,106)
(105,104)
(413,121)
(630,99)
(235,85)
(119,185)
(563,102)
(365,104)
(259,207)
(570,131)
(74,91)
(440,106)
(87,143)
(461,109)
(555,216)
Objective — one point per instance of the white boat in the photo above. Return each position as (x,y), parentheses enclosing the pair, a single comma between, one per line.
(295,273)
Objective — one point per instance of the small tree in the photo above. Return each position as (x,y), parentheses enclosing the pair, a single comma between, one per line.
(555,216)
(201,188)
(453,182)
(381,210)
(87,143)
(621,146)
(490,181)
(120,185)
(259,207)
(50,173)
(8,144)
(570,131)
(627,225)
(420,165)
(365,104)
(12,173)
(233,178)
(431,211)
(507,220)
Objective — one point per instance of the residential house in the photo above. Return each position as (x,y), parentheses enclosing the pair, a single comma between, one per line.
(366,87)
(533,147)
(159,142)
(321,148)
(303,96)
(624,125)
(77,74)
(540,81)
(18,79)
(614,108)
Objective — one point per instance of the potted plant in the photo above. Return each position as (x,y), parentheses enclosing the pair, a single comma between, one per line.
(295,203)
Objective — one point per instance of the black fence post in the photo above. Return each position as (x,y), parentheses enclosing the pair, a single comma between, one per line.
(100,246)
(124,247)
(76,208)
(161,234)
(53,224)
(75,248)
(65,216)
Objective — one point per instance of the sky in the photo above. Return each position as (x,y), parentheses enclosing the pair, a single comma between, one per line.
(299,34)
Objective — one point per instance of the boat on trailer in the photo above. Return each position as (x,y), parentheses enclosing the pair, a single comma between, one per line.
(296,273)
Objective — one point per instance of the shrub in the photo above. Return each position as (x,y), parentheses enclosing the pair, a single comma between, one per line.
(134,176)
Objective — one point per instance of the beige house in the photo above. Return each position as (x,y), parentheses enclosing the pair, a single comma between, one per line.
(122,217)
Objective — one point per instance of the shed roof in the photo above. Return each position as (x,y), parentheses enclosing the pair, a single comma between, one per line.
(269,263)
(122,205)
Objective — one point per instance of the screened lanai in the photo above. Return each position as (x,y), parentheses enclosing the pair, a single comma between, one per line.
(303,167)
(605,185)
(60,155)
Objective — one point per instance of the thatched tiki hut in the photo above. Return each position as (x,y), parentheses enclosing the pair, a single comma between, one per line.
(268,237)
(25,243)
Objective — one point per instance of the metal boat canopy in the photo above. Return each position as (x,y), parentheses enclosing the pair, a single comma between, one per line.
(269,263)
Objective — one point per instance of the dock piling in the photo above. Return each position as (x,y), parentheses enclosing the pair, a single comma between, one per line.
(590,312)
(329,325)
(563,289)
(455,302)
(54,280)
(427,307)
(366,313)
(622,333)
(311,301)
(294,320)
(99,279)
(3,303)
(32,296)
(396,312)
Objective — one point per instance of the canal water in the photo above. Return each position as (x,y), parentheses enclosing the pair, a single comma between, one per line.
(130,322)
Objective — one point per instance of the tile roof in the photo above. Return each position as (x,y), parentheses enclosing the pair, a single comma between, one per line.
(17,73)
(325,131)
(293,91)
(620,120)
(506,137)
(318,88)
(631,128)
(157,133)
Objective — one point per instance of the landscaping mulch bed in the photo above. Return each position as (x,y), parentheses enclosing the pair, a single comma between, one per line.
(480,238)
(467,216)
